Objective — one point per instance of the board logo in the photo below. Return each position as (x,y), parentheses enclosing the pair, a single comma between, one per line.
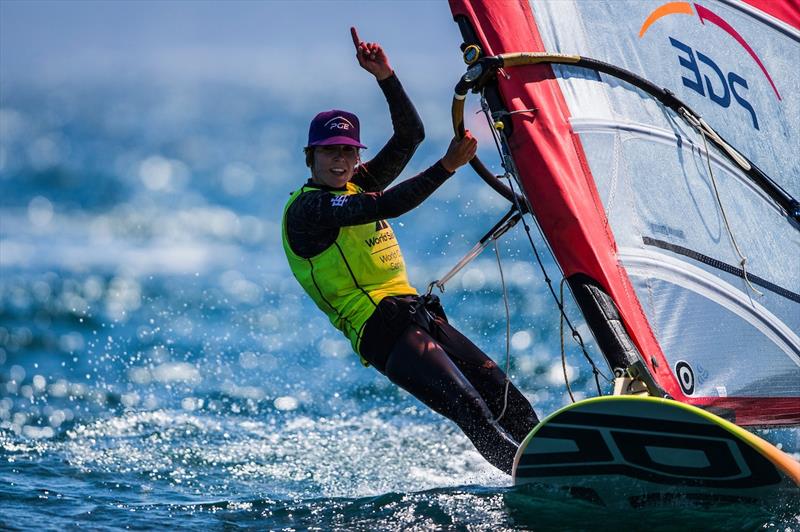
(728,86)
(685,377)
(583,444)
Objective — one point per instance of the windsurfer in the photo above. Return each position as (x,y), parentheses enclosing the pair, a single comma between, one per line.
(346,257)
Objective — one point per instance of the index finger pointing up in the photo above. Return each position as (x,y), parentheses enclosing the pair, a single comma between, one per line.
(354,35)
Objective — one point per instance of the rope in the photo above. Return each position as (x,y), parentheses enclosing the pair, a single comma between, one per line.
(742,258)
(575,334)
(561,335)
(508,332)
(508,165)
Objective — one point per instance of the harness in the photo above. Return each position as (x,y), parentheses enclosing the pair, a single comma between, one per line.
(425,310)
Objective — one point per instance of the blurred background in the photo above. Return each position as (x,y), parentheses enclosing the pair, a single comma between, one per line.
(154,348)
(155,351)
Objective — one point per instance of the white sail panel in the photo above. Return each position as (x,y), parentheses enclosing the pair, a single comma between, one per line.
(725,329)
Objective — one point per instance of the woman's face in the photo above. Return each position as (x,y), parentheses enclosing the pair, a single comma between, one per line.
(334,165)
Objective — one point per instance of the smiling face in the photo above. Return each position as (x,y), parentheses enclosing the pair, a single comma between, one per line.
(333,165)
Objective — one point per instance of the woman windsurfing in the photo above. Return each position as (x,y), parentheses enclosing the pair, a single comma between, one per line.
(345,255)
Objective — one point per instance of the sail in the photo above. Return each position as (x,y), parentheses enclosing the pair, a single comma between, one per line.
(676,257)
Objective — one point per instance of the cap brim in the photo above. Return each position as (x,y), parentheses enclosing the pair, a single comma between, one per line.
(330,141)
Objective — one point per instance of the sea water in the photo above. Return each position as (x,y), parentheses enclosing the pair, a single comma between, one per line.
(160,367)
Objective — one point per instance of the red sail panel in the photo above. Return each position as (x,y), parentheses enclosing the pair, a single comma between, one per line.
(787,11)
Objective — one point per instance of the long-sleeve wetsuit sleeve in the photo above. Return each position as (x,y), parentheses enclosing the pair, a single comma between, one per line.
(377,173)
(320,208)
(313,220)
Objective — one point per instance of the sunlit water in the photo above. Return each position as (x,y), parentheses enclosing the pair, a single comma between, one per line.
(159,366)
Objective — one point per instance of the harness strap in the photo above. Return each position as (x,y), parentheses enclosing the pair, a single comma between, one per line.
(420,315)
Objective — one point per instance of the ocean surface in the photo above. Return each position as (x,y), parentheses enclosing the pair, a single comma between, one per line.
(160,367)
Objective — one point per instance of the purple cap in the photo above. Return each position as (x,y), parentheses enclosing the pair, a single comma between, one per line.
(334,127)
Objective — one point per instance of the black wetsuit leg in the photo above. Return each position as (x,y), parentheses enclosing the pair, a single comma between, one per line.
(490,381)
(451,375)
(419,365)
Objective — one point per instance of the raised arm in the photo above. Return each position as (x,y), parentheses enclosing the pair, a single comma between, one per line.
(376,174)
(314,219)
(321,209)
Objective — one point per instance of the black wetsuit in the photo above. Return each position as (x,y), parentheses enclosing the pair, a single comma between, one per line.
(441,367)
(412,345)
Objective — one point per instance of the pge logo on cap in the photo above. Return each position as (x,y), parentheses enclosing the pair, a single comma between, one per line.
(339,122)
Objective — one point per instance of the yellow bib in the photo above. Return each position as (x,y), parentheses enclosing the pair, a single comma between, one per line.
(349,278)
